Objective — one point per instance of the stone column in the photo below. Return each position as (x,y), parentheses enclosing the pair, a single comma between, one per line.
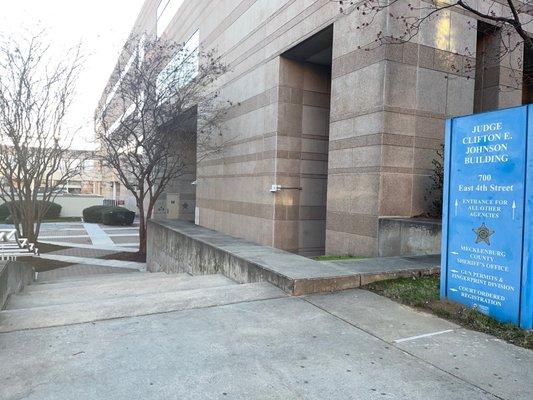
(233,192)
(389,104)
(355,139)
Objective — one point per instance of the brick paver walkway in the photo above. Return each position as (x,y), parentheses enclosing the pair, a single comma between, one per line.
(84,252)
(80,270)
(88,235)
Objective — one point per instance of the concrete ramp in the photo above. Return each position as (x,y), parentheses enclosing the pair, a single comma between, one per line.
(179,246)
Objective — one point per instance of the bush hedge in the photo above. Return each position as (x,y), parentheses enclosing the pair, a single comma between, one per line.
(4,211)
(53,211)
(108,215)
(118,216)
(94,213)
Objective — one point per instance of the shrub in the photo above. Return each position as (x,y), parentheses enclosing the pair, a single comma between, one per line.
(94,213)
(108,215)
(4,211)
(434,193)
(118,216)
(53,210)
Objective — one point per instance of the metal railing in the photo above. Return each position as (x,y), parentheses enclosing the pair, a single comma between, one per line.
(11,246)
(113,202)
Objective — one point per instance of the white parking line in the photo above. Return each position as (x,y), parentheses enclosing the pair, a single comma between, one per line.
(422,336)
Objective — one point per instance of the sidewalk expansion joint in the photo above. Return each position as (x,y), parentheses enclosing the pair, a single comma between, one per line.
(393,344)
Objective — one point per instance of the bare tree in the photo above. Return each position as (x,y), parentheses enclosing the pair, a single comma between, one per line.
(160,118)
(36,90)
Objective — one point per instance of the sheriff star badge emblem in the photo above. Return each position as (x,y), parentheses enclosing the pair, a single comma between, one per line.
(483,234)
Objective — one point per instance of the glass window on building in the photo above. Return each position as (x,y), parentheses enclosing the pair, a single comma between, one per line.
(165,12)
(182,67)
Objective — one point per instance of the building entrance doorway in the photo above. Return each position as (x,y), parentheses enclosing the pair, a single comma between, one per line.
(305,77)
(179,199)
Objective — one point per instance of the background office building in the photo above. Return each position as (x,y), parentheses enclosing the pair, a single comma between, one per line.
(330,136)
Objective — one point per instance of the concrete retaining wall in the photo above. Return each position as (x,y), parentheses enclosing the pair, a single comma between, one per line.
(180,246)
(174,246)
(14,275)
(73,205)
(408,236)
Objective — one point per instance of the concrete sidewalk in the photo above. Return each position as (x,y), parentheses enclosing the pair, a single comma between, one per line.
(379,268)
(347,345)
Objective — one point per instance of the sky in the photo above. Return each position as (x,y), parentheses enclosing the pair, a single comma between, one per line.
(102,26)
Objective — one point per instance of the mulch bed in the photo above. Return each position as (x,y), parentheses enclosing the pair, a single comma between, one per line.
(126,256)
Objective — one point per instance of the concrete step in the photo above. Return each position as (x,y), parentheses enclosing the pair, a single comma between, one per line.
(113,289)
(14,248)
(131,306)
(12,244)
(91,279)
(92,261)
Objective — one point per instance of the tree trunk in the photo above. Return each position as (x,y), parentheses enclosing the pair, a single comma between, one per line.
(28,231)
(27,217)
(37,229)
(142,230)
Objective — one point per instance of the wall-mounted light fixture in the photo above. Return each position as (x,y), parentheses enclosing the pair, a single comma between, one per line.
(278,188)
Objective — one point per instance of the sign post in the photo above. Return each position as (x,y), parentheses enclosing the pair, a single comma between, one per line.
(487,250)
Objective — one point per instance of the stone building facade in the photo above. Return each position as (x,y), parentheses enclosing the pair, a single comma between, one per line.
(329,132)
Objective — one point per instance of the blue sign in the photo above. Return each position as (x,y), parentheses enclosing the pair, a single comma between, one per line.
(488,204)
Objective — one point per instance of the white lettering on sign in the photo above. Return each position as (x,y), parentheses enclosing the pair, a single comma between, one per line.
(488,145)
(495,126)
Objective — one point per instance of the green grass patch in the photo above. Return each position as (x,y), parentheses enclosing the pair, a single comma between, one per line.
(337,258)
(423,293)
(416,292)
